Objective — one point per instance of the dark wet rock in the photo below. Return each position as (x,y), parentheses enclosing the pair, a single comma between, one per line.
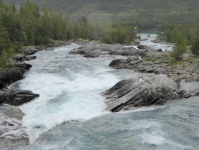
(143,47)
(11,75)
(23,65)
(159,50)
(16,97)
(118,62)
(143,91)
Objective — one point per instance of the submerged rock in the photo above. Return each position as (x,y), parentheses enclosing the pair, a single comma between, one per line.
(143,91)
(16,97)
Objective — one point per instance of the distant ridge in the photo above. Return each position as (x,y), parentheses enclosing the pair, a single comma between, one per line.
(179,11)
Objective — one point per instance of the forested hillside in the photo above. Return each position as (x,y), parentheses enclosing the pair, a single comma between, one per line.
(179,11)
(25,26)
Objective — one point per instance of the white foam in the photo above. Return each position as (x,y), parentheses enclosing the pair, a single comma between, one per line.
(63,100)
(153,139)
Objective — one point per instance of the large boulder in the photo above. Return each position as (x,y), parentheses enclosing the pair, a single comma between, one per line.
(118,62)
(16,97)
(143,91)
(30,50)
(11,75)
(143,47)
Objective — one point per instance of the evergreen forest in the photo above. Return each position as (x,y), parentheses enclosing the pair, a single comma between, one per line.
(27,26)
(156,11)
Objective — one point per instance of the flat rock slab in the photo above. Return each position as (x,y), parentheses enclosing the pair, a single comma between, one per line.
(143,91)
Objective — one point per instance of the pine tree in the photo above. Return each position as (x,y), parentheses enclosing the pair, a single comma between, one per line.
(4,39)
(180,45)
(195,44)
(3,59)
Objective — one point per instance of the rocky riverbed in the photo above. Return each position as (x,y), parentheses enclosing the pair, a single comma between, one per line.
(144,91)
(76,82)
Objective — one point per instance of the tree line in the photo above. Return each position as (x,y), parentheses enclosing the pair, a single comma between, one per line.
(157,11)
(183,36)
(27,26)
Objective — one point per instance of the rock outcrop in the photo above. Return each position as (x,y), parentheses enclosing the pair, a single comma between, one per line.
(23,57)
(23,65)
(11,75)
(16,97)
(143,91)
(97,50)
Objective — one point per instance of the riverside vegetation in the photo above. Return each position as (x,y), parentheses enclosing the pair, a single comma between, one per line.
(28,26)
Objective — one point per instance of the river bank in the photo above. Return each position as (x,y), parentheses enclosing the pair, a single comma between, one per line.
(146,90)
(12,133)
(51,64)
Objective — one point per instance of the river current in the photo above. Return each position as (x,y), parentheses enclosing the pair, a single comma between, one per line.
(70,112)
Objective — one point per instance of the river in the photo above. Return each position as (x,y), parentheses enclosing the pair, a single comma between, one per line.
(70,113)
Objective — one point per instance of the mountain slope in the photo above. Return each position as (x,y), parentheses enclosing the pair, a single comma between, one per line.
(125,10)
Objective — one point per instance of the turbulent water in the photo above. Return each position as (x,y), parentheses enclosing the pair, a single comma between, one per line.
(70,115)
